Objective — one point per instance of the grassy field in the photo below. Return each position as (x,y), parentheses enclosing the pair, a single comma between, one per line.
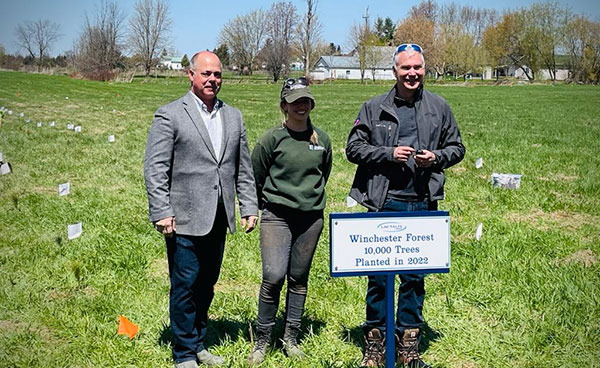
(526,295)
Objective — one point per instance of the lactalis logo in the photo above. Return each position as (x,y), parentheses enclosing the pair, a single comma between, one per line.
(391,227)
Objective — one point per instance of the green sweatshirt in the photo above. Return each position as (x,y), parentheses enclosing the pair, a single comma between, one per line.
(289,170)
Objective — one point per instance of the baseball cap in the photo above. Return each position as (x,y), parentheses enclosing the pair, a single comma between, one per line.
(295,89)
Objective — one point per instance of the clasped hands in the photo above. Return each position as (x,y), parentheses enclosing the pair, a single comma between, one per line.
(424,159)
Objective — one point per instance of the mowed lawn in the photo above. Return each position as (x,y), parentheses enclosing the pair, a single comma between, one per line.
(526,295)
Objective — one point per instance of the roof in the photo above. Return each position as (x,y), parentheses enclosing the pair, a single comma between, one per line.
(382,54)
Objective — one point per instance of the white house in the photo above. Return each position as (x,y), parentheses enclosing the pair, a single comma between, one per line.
(378,62)
(172,63)
(562,71)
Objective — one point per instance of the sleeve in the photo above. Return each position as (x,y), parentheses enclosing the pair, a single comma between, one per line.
(157,166)
(359,149)
(261,162)
(328,161)
(450,148)
(245,185)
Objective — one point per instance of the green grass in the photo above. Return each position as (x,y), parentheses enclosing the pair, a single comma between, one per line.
(526,295)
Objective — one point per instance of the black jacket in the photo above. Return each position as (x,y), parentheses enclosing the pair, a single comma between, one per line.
(373,138)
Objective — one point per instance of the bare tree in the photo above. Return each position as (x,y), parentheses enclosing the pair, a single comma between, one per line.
(310,32)
(37,38)
(377,55)
(150,27)
(244,36)
(98,50)
(361,38)
(582,46)
(546,22)
(281,24)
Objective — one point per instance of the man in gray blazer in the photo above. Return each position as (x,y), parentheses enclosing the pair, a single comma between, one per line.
(196,161)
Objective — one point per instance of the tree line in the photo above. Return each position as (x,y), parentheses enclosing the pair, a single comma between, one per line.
(273,38)
(463,39)
(106,35)
(457,40)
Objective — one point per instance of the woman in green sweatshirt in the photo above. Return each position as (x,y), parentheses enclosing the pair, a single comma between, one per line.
(291,162)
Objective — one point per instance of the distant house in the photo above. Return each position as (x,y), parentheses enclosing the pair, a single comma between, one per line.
(378,63)
(172,62)
(508,70)
(297,65)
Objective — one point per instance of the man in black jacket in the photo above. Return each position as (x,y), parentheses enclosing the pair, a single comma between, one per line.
(401,141)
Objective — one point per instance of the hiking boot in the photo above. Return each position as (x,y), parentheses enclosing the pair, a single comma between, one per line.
(407,349)
(263,338)
(208,359)
(290,342)
(374,349)
(187,364)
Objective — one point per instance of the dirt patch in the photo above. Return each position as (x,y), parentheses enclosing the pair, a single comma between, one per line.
(58,295)
(88,291)
(20,327)
(467,365)
(563,177)
(564,219)
(586,257)
(559,177)
(44,190)
(459,169)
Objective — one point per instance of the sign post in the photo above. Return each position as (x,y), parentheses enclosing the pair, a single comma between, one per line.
(389,243)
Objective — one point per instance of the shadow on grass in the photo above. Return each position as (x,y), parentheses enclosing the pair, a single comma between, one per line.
(219,329)
(428,335)
(215,334)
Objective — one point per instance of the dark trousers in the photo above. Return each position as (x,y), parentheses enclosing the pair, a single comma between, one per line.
(288,239)
(194,266)
(411,292)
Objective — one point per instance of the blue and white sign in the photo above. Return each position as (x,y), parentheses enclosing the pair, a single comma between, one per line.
(389,242)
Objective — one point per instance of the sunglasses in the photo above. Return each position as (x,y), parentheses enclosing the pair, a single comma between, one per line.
(409,46)
(289,83)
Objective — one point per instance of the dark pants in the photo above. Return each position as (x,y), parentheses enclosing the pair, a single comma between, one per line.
(288,239)
(411,291)
(194,266)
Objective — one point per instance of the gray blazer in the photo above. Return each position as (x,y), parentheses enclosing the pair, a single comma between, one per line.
(183,173)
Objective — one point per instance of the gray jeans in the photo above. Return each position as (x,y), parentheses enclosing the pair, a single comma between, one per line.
(288,239)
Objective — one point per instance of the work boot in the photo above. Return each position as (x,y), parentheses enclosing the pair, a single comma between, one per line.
(263,338)
(407,349)
(208,359)
(374,349)
(290,342)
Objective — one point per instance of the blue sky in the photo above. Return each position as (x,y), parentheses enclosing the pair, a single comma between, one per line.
(196,23)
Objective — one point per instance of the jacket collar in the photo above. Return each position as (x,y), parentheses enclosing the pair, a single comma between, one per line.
(190,106)
(388,102)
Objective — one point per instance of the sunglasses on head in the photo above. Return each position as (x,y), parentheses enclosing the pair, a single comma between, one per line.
(409,46)
(293,82)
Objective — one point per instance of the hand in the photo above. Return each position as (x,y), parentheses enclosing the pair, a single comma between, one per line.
(165,226)
(249,223)
(426,159)
(402,153)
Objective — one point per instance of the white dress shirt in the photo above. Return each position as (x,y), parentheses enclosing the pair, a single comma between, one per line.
(212,121)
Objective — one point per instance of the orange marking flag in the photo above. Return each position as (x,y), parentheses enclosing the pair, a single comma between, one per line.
(126,327)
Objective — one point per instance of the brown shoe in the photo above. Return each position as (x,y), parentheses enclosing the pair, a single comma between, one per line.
(407,349)
(374,349)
